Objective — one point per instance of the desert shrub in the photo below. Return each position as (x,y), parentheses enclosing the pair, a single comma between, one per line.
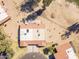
(5,45)
(76,1)
(47,2)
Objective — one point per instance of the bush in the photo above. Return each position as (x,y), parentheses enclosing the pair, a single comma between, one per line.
(47,2)
(38,0)
(46,51)
(76,1)
(55,50)
(10,53)
(51,49)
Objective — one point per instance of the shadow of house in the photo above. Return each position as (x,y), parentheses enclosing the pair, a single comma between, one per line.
(19,36)
(1,23)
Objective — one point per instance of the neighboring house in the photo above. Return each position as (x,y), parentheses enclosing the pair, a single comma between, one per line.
(3,15)
(65,51)
(32,34)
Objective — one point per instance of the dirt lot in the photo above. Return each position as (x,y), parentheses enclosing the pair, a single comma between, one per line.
(64,14)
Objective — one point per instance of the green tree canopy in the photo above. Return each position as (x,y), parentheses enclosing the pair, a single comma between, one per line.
(5,44)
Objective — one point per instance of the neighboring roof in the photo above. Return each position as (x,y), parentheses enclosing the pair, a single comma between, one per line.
(32,34)
(65,51)
(3,15)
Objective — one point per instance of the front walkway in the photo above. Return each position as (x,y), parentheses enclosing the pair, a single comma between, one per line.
(32,48)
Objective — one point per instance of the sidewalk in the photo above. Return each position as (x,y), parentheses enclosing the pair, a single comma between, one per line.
(32,48)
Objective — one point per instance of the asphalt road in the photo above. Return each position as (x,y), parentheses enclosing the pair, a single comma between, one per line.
(33,56)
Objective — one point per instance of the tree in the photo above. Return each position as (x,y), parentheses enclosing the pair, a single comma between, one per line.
(29,5)
(74,28)
(5,45)
(51,49)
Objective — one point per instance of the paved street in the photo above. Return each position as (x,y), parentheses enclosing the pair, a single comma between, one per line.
(33,56)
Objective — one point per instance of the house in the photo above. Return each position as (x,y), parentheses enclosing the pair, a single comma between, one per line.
(65,51)
(3,15)
(31,34)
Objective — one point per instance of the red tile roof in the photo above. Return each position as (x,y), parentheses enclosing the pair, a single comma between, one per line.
(61,51)
(36,41)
